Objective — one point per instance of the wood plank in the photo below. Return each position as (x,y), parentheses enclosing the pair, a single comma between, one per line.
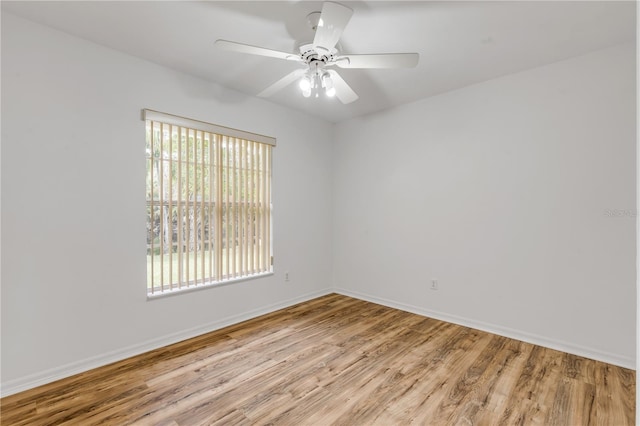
(338,360)
(615,395)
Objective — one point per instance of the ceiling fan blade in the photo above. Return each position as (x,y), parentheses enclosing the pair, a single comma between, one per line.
(382,60)
(343,91)
(333,19)
(255,50)
(282,83)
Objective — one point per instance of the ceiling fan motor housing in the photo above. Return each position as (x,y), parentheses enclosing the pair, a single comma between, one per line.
(310,54)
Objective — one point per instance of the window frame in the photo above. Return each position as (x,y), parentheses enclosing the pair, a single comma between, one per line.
(232,149)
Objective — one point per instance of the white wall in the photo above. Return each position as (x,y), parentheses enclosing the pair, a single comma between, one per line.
(73,209)
(500,191)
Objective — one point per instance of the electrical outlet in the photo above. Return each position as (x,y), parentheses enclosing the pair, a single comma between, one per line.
(286,276)
(434,284)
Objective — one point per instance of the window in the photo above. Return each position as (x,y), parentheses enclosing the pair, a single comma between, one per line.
(208,203)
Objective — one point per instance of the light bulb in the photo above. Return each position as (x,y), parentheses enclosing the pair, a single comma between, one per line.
(306,92)
(327,82)
(305,83)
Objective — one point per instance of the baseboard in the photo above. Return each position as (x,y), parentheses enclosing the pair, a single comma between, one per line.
(595,354)
(41,378)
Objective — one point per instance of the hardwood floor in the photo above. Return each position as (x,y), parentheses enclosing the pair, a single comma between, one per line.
(338,360)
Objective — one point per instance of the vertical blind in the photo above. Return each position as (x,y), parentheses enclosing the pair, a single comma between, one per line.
(208,203)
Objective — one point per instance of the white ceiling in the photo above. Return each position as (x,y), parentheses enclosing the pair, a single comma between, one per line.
(460,43)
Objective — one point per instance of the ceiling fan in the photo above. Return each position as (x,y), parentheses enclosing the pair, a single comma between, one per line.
(321,55)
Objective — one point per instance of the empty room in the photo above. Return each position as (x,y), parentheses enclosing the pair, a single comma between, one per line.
(318,213)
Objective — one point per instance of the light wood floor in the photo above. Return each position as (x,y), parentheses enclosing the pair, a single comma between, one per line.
(338,360)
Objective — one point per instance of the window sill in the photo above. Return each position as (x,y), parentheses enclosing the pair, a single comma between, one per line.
(183,290)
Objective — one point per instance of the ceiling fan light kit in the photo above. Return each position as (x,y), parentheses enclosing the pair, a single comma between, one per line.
(322,54)
(316,79)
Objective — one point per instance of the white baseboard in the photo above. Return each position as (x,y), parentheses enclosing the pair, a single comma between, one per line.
(28,382)
(591,353)
(41,378)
